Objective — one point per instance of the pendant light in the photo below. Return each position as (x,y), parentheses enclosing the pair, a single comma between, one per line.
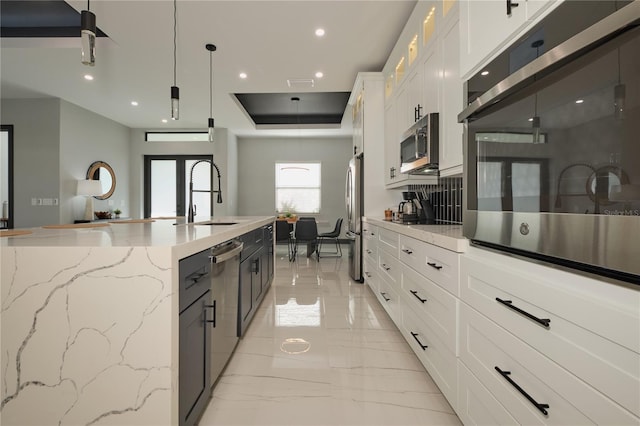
(619,95)
(535,122)
(211,48)
(175,91)
(88,36)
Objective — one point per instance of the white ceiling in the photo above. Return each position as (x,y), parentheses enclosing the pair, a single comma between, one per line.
(271,41)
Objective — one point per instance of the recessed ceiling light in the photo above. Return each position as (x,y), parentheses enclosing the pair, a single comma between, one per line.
(242,75)
(484,73)
(531,119)
(134,103)
(319,74)
(88,77)
(579,101)
(320,32)
(164,120)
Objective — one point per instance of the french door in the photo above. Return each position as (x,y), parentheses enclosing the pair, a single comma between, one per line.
(166,185)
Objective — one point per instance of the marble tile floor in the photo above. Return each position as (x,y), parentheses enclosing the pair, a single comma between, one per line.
(322,351)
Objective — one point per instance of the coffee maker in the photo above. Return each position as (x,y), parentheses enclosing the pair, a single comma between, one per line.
(415,210)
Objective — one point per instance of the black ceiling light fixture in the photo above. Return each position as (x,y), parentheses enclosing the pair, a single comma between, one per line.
(535,122)
(88,36)
(211,48)
(175,91)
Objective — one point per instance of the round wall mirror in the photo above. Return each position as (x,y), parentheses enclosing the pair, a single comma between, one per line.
(603,180)
(103,172)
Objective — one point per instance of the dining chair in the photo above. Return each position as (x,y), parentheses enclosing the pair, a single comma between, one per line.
(284,233)
(333,235)
(306,232)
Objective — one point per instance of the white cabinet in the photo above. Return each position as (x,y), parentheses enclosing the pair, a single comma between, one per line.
(486,28)
(450,155)
(432,84)
(569,341)
(367,103)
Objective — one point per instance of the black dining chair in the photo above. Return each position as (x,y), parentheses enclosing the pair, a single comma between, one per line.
(306,232)
(284,233)
(333,235)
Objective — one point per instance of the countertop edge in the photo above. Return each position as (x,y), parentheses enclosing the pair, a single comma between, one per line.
(448,237)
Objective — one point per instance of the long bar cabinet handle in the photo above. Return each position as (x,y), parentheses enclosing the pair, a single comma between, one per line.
(508,303)
(541,407)
(385,267)
(415,293)
(384,296)
(415,336)
(407,251)
(434,265)
(510,5)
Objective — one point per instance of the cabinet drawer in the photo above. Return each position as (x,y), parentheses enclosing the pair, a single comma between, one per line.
(388,241)
(593,329)
(388,298)
(370,247)
(369,231)
(435,306)
(496,356)
(476,405)
(389,268)
(432,352)
(439,265)
(370,272)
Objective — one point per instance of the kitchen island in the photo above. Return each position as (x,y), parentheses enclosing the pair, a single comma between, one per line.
(89,330)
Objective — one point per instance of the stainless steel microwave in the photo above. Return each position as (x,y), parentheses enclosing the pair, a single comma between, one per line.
(552,167)
(419,147)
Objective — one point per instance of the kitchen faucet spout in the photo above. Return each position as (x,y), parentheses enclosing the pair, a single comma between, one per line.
(192,211)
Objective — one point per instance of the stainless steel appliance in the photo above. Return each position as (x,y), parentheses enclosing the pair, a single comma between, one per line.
(553,159)
(419,147)
(225,272)
(355,204)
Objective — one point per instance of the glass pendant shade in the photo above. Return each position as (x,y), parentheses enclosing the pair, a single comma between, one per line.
(211,129)
(175,103)
(88,37)
(536,129)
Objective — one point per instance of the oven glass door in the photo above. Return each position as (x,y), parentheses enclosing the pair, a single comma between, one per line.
(569,143)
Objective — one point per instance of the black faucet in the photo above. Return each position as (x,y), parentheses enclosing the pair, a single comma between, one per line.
(192,210)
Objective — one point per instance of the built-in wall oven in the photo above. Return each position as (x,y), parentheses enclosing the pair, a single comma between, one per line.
(553,142)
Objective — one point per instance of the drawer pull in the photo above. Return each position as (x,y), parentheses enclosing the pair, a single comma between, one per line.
(541,407)
(369,251)
(407,251)
(384,296)
(433,265)
(415,336)
(367,274)
(385,267)
(542,321)
(415,293)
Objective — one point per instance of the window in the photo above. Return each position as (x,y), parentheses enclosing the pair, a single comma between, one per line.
(298,187)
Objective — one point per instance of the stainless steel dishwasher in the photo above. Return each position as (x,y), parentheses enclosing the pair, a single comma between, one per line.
(225,273)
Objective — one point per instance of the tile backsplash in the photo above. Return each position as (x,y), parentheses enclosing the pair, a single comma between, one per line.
(446,198)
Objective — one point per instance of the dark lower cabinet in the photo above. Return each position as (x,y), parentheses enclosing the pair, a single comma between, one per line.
(256,272)
(195,336)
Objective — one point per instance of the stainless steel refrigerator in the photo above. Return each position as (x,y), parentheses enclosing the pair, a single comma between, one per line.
(355,204)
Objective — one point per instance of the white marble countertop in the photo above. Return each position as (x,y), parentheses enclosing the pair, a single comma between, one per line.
(446,236)
(159,233)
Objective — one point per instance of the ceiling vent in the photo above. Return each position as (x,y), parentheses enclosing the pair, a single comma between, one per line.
(301,83)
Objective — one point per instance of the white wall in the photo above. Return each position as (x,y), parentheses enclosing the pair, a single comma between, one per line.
(256,178)
(55,142)
(86,137)
(224,152)
(36,158)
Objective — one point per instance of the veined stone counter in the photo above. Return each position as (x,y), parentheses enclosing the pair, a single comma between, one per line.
(446,236)
(89,331)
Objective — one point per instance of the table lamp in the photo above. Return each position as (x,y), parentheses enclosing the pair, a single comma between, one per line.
(89,188)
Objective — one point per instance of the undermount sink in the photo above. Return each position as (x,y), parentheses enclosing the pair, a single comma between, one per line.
(216,223)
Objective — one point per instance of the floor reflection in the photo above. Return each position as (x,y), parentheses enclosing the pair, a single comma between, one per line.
(322,351)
